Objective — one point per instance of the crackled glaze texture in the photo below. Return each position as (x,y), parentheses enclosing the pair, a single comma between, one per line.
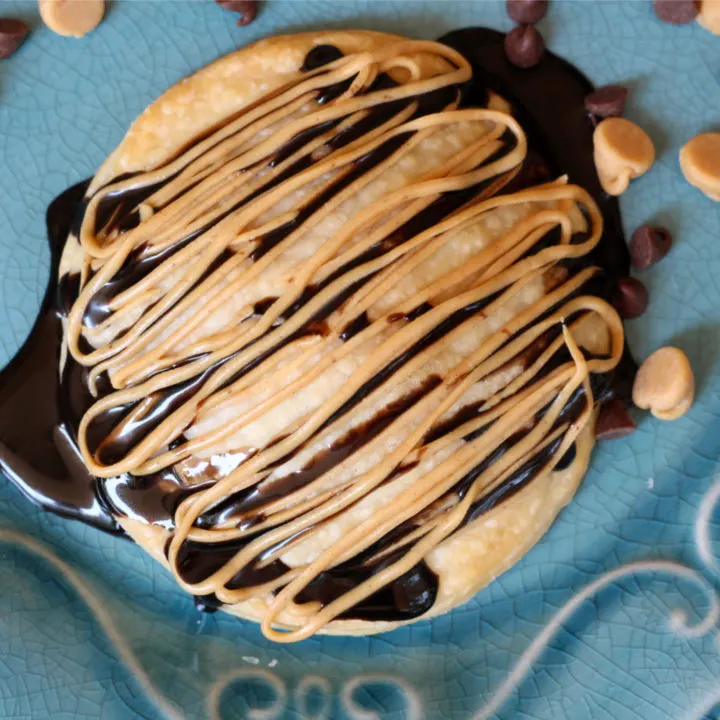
(71,595)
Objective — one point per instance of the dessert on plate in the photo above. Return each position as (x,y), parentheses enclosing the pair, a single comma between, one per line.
(332,327)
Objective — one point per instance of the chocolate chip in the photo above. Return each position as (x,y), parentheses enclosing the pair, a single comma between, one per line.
(676,12)
(524,46)
(630,298)
(649,245)
(607,101)
(247,9)
(12,34)
(614,421)
(526,12)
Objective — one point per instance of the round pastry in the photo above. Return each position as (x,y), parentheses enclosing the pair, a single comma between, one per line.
(335,337)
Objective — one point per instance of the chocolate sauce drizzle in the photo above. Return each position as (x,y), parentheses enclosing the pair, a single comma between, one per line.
(40,411)
(37,448)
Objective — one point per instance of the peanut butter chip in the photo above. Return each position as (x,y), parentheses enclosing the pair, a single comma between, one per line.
(709,16)
(700,163)
(665,384)
(72,18)
(623,151)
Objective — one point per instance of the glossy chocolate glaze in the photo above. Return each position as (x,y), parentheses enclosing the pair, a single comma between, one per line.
(37,447)
(39,414)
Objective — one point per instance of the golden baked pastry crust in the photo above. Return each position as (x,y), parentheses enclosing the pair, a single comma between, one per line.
(471,557)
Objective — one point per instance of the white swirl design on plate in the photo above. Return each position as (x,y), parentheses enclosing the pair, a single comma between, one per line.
(95,605)
(413,706)
(703,542)
(248,674)
(703,539)
(305,686)
(677,621)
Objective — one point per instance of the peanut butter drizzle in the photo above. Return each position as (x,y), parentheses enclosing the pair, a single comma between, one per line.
(164,252)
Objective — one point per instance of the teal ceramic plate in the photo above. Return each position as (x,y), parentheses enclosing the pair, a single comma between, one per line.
(613,615)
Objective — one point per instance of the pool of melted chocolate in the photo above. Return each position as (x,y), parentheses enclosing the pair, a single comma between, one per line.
(40,408)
